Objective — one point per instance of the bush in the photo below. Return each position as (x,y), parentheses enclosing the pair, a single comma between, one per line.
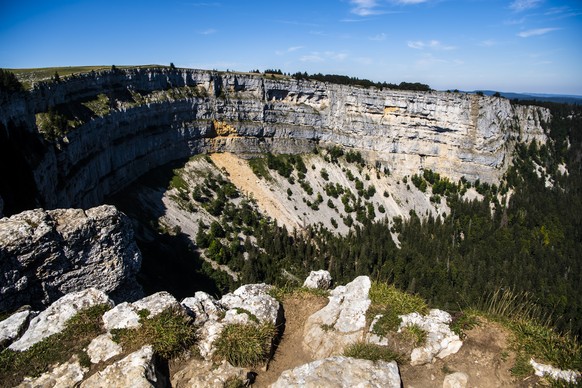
(245,345)
(9,82)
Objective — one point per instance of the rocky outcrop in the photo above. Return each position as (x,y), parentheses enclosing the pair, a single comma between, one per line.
(127,315)
(341,371)
(54,318)
(570,376)
(456,380)
(341,322)
(14,326)
(440,340)
(136,370)
(183,112)
(318,279)
(47,254)
(206,374)
(68,374)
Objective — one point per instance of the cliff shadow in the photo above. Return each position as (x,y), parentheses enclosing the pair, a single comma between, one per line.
(170,261)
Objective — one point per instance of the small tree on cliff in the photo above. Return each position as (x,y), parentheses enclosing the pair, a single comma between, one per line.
(9,82)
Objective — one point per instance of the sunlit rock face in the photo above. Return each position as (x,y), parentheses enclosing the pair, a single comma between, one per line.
(180,113)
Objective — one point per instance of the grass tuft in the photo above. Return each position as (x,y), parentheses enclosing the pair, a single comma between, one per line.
(391,302)
(245,345)
(372,352)
(170,333)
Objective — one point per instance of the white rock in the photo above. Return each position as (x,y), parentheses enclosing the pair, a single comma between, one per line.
(207,334)
(206,374)
(126,315)
(136,370)
(53,319)
(318,279)
(13,326)
(456,380)
(65,375)
(341,371)
(440,342)
(341,322)
(203,307)
(571,376)
(255,299)
(102,348)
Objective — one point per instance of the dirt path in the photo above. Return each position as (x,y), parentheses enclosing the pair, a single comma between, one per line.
(290,354)
(241,175)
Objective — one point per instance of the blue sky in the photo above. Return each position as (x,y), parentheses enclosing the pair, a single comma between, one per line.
(505,45)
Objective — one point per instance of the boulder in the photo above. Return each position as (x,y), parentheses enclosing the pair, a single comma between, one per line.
(570,376)
(440,342)
(68,374)
(254,298)
(47,254)
(456,380)
(54,318)
(341,322)
(126,315)
(341,371)
(12,327)
(318,279)
(137,370)
(206,374)
(102,348)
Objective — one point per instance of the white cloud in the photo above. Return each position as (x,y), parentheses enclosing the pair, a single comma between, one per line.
(378,37)
(523,5)
(209,31)
(288,50)
(431,44)
(365,7)
(488,43)
(317,56)
(536,32)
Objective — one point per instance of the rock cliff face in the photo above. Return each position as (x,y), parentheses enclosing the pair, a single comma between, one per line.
(47,254)
(164,115)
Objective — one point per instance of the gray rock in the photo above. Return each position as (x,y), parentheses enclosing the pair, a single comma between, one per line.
(318,279)
(12,327)
(255,299)
(456,380)
(408,129)
(126,315)
(136,370)
(440,342)
(203,307)
(102,348)
(47,254)
(64,375)
(341,371)
(54,318)
(341,322)
(570,376)
(374,338)
(202,374)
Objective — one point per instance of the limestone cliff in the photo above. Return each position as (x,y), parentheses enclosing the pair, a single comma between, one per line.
(47,254)
(160,115)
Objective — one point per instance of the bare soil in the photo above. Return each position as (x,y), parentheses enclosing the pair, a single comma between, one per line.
(290,354)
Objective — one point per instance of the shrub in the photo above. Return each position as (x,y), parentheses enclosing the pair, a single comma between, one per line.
(9,82)
(245,345)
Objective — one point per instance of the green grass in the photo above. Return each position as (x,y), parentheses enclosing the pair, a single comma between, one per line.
(58,348)
(100,105)
(170,333)
(391,302)
(245,345)
(372,352)
(280,293)
(259,168)
(415,334)
(463,321)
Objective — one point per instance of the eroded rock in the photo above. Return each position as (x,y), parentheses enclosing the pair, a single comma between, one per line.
(136,370)
(47,254)
(456,380)
(12,327)
(341,322)
(202,374)
(341,371)
(102,348)
(54,318)
(318,279)
(254,298)
(126,315)
(440,340)
(571,376)
(68,374)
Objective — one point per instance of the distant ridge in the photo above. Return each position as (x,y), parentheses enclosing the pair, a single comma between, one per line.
(559,98)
